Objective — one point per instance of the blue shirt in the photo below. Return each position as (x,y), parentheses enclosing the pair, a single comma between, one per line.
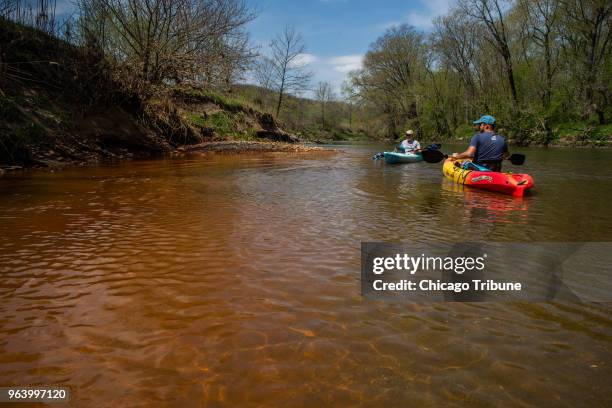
(489,146)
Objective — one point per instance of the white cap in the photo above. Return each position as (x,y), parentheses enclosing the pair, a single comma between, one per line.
(409,132)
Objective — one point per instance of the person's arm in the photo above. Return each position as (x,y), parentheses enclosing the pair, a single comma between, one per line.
(401,147)
(470,152)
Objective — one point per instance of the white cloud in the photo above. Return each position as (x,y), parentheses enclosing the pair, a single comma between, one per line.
(424,19)
(303,59)
(421,21)
(334,70)
(346,63)
(388,24)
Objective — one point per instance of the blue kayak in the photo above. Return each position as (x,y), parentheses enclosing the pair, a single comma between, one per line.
(395,157)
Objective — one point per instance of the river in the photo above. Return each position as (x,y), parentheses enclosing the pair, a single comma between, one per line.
(234,280)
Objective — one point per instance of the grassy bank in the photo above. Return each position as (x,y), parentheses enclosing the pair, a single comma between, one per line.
(336,121)
(60,105)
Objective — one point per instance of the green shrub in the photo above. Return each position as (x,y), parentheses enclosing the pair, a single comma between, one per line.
(213,97)
(603,132)
(222,123)
(570,129)
(249,135)
(197,119)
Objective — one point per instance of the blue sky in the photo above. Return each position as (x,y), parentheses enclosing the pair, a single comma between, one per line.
(337,33)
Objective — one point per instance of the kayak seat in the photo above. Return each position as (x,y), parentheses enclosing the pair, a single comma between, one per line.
(468,165)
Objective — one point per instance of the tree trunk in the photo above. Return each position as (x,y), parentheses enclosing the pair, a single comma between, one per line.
(280,101)
(322,114)
(600,116)
(548,90)
(281,91)
(510,75)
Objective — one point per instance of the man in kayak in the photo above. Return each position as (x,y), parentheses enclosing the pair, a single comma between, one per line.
(487,148)
(409,145)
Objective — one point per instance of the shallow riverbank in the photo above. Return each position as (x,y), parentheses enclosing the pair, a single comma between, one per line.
(228,146)
(240,146)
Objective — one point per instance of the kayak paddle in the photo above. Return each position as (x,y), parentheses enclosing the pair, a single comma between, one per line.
(433,146)
(517,159)
(433,156)
(436,156)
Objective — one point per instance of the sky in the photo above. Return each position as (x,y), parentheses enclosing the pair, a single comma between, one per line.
(337,33)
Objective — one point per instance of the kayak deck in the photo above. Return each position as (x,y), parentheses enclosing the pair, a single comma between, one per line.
(505,183)
(396,157)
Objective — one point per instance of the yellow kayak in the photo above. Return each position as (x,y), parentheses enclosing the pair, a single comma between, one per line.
(505,183)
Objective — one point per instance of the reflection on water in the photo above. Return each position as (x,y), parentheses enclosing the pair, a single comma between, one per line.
(228,280)
(488,207)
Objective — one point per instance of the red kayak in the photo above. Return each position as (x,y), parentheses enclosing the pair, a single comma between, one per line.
(505,183)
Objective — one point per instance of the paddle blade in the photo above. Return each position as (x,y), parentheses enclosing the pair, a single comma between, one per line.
(433,156)
(517,159)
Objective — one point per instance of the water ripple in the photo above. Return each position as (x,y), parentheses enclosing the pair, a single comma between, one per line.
(232,281)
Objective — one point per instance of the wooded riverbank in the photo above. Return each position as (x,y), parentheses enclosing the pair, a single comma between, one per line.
(89,93)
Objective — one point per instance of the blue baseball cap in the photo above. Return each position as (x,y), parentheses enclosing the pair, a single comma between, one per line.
(486,119)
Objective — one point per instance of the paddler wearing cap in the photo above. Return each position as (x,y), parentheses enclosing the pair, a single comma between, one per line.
(409,145)
(487,147)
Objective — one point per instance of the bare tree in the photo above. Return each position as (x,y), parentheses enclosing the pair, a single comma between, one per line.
(289,70)
(35,13)
(6,8)
(324,96)
(351,96)
(392,69)
(457,41)
(539,18)
(263,71)
(491,14)
(159,40)
(588,37)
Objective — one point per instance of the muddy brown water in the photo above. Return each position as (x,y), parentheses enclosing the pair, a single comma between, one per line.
(228,280)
